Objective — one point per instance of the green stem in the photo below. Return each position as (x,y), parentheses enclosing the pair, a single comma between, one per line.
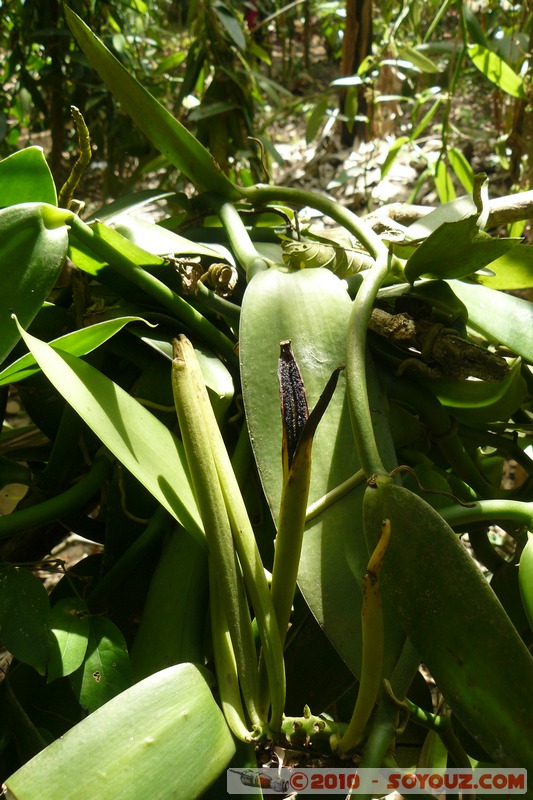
(59,506)
(239,238)
(343,216)
(215,304)
(356,368)
(489,511)
(154,288)
(334,495)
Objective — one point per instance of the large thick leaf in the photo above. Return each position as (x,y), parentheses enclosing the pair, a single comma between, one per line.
(165,133)
(496,70)
(455,250)
(456,623)
(25,177)
(24,616)
(33,246)
(503,319)
(79,343)
(143,444)
(163,738)
(311,308)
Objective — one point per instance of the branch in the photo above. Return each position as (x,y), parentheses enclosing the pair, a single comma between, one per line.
(502,210)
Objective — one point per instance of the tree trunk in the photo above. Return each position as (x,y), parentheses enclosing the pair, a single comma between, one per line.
(357,45)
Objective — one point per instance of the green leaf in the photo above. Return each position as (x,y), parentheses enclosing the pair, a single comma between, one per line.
(502,318)
(455,622)
(426,119)
(525,578)
(418,59)
(512,271)
(25,177)
(476,403)
(164,132)
(128,203)
(33,246)
(443,181)
(69,624)
(160,241)
(149,742)
(456,209)
(78,343)
(315,120)
(496,70)
(106,669)
(232,26)
(462,169)
(143,444)
(455,250)
(392,152)
(24,616)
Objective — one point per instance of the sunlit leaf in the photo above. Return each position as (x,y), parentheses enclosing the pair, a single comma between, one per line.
(443,181)
(148,742)
(496,70)
(311,308)
(462,169)
(78,343)
(512,271)
(392,152)
(140,441)
(160,241)
(459,208)
(25,177)
(503,319)
(455,250)
(418,59)
(69,625)
(33,246)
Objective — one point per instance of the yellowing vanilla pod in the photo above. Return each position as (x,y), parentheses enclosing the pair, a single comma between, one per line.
(373,645)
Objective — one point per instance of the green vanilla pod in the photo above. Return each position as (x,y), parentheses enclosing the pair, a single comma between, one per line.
(190,397)
(239,576)
(455,622)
